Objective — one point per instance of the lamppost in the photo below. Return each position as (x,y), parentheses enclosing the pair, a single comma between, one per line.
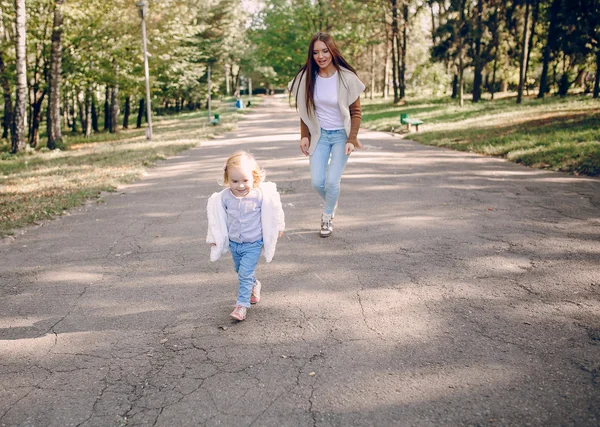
(143,8)
(209,90)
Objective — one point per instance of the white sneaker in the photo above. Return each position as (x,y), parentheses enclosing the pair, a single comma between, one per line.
(326,225)
(255,296)
(239,312)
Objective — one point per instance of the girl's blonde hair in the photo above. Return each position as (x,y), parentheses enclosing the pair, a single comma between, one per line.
(243,159)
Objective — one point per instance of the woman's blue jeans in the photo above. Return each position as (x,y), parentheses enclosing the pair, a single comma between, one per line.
(245,259)
(327,164)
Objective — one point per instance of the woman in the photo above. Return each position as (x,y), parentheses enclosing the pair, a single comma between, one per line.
(327,92)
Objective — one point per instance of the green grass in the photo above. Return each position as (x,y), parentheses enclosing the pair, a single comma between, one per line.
(41,184)
(555,133)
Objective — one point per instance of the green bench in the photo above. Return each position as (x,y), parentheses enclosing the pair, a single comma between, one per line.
(405,120)
(216,120)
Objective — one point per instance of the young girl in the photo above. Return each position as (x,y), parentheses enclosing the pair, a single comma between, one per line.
(242,218)
(327,92)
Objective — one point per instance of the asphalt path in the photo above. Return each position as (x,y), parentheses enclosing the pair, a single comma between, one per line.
(457,289)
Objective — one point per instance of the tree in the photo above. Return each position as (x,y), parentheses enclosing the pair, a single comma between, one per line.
(7,118)
(18,136)
(39,26)
(478,60)
(524,54)
(594,31)
(54,82)
(452,37)
(395,52)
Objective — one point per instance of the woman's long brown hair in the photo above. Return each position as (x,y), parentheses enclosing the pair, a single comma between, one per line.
(310,68)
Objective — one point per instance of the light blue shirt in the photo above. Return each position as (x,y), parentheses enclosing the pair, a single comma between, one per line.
(243,216)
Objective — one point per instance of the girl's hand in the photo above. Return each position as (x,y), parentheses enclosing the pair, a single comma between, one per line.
(304,145)
(213,244)
(280,234)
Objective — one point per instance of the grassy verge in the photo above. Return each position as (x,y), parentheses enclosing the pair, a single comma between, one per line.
(38,185)
(552,133)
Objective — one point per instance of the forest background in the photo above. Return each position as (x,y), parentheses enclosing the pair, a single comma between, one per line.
(72,71)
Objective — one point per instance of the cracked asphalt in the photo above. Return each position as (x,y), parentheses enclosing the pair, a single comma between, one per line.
(456,290)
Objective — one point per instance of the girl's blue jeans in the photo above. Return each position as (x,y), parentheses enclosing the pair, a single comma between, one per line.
(245,259)
(327,164)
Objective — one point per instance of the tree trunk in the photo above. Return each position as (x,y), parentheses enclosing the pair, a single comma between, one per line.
(461,80)
(107,115)
(493,85)
(478,60)
(395,48)
(386,71)
(127,112)
(73,112)
(402,73)
(65,107)
(549,48)
(454,86)
(36,119)
(227,79)
(372,72)
(524,45)
(114,109)
(433,27)
(8,107)
(54,79)
(597,82)
(236,84)
(534,19)
(18,135)
(94,112)
(140,114)
(88,113)
(460,52)
(80,99)
(496,46)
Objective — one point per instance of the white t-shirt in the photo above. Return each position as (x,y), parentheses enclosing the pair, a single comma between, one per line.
(326,103)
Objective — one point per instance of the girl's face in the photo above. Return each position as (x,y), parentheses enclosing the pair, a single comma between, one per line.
(240,180)
(321,55)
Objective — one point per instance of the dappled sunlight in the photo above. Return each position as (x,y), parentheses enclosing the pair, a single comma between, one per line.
(161,215)
(111,308)
(18,321)
(69,275)
(251,139)
(407,387)
(496,264)
(14,350)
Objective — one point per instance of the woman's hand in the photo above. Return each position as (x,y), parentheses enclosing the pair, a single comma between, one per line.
(350,147)
(304,145)
(279,234)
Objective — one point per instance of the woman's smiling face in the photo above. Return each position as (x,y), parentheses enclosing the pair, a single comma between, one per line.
(322,55)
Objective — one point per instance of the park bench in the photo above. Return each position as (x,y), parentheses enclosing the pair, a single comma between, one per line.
(216,120)
(405,120)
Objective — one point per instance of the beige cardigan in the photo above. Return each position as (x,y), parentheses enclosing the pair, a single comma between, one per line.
(349,88)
